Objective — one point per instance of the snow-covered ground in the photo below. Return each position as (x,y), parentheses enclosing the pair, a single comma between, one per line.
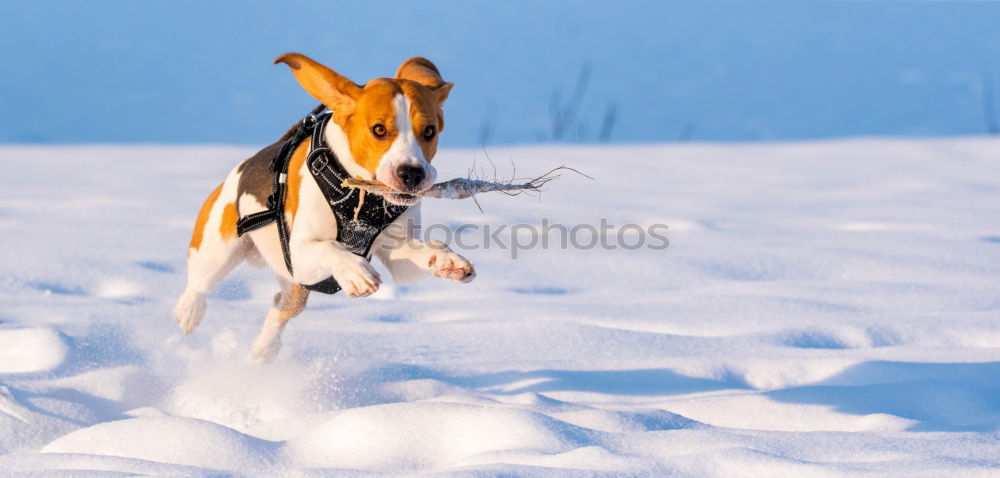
(824,309)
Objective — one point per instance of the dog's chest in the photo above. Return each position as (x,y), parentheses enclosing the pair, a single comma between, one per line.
(359,217)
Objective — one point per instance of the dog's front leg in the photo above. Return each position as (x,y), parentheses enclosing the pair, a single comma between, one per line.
(446,264)
(315,260)
(409,258)
(415,256)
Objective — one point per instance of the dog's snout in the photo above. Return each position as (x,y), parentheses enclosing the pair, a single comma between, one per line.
(410,176)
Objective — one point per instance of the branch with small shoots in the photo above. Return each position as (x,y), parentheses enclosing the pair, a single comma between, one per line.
(462,188)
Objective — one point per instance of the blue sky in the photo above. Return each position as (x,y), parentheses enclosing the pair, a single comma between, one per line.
(201,72)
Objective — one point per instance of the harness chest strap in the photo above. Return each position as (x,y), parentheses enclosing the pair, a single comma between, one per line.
(357,224)
(275,211)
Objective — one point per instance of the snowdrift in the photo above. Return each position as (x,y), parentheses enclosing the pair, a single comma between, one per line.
(823,309)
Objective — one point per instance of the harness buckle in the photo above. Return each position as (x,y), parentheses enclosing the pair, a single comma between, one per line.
(319,164)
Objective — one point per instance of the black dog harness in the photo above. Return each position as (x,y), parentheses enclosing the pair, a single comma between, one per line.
(361,216)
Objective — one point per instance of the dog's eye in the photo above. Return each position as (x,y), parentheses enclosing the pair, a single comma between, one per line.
(379,130)
(429,132)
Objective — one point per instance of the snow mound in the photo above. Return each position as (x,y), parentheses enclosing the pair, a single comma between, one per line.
(428,435)
(21,427)
(180,441)
(769,340)
(73,465)
(31,350)
(230,393)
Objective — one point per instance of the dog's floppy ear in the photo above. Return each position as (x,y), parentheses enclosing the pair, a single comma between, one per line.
(327,86)
(422,71)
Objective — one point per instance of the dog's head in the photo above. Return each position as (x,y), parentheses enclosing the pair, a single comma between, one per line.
(391,125)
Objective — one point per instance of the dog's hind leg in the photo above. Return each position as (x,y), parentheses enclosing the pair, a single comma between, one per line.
(214,252)
(287,304)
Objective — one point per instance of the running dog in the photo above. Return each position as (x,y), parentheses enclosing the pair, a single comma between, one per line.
(286,208)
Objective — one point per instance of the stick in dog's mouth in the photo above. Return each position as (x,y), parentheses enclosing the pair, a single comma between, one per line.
(402,197)
(461,188)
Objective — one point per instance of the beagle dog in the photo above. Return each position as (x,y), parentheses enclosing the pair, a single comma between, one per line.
(386,130)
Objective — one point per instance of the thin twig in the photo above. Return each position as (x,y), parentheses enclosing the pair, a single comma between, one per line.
(462,188)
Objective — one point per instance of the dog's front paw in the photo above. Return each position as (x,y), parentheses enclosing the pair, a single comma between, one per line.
(357,277)
(451,266)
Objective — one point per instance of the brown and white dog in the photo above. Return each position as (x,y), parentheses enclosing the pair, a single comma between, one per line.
(386,130)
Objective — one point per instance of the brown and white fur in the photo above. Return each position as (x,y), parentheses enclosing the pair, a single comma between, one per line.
(386,130)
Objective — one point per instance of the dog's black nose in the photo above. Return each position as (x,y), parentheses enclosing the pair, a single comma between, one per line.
(411,176)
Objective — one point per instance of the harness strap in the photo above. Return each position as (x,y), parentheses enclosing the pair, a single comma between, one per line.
(275,211)
(357,226)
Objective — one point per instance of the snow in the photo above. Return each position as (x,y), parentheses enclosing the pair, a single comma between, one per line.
(184,441)
(824,309)
(30,350)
